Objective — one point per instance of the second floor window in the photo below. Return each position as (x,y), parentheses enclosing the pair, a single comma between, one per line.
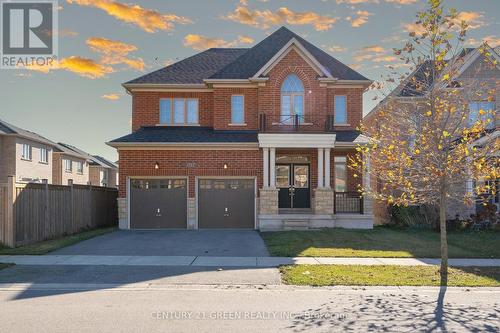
(475,110)
(26,152)
(79,167)
(67,165)
(178,111)
(292,99)
(237,109)
(340,109)
(44,155)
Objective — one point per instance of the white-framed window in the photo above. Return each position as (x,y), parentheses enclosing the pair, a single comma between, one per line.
(44,155)
(79,167)
(340,171)
(475,113)
(68,165)
(179,111)
(292,99)
(237,109)
(104,177)
(340,109)
(26,154)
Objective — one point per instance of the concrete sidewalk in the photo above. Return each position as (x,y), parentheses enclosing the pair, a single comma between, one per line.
(204,261)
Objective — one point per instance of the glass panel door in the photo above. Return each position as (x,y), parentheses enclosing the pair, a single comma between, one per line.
(301,176)
(286,109)
(282,176)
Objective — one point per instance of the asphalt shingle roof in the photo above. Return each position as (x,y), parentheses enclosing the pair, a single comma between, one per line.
(154,134)
(193,69)
(240,63)
(6,128)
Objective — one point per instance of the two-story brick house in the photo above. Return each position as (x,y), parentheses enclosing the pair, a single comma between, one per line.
(252,138)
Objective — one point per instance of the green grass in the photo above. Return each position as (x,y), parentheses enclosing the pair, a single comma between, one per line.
(381,242)
(54,244)
(356,275)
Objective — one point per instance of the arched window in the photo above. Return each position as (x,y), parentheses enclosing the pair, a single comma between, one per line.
(292,99)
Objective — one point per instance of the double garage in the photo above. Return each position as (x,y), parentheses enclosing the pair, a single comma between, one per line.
(220,203)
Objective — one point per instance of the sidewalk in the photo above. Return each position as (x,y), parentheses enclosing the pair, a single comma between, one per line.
(202,261)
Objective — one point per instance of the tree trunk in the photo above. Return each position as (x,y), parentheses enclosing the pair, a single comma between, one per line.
(444,242)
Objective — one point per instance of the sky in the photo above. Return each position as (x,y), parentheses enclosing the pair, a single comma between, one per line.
(104,43)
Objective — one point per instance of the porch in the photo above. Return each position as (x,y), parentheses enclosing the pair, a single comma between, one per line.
(307,184)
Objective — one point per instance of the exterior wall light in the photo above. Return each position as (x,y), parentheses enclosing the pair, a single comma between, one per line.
(225,166)
(157,165)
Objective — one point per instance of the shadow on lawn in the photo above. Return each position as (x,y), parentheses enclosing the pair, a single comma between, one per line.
(382,241)
(392,312)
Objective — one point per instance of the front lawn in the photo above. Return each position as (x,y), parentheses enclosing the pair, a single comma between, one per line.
(385,242)
(356,275)
(54,244)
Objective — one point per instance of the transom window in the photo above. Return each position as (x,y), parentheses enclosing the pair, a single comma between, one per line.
(179,111)
(292,99)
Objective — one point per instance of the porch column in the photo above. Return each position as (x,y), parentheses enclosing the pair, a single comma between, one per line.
(320,168)
(272,168)
(265,152)
(327,167)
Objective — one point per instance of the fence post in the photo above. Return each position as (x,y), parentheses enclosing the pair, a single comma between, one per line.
(72,208)
(10,228)
(46,221)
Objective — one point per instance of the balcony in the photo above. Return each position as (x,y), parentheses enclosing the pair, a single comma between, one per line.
(348,203)
(295,123)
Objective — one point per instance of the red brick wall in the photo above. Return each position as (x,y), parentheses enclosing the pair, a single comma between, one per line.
(175,163)
(146,107)
(222,108)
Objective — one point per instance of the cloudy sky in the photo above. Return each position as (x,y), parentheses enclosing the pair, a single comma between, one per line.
(103,43)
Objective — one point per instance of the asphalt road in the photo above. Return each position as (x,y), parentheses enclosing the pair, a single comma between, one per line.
(239,308)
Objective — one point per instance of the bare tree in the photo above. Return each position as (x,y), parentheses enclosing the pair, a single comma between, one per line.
(426,145)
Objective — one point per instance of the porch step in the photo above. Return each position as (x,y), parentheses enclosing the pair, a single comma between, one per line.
(302,224)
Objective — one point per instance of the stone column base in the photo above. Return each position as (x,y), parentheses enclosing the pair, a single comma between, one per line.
(323,201)
(122,213)
(268,203)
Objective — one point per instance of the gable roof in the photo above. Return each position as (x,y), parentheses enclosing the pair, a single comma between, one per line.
(93,159)
(192,70)
(9,129)
(105,162)
(240,63)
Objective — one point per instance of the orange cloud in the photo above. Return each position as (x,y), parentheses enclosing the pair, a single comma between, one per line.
(473,19)
(492,41)
(115,52)
(356,2)
(147,19)
(266,18)
(84,67)
(372,48)
(335,48)
(387,58)
(199,42)
(402,2)
(418,29)
(361,19)
(111,97)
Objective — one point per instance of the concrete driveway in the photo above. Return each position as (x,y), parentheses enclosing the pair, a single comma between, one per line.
(218,243)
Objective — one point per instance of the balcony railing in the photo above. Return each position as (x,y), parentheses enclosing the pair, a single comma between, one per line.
(348,203)
(295,123)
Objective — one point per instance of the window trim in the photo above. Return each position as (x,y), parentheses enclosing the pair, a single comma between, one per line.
(172,111)
(70,170)
(44,156)
(335,123)
(292,95)
(30,152)
(233,123)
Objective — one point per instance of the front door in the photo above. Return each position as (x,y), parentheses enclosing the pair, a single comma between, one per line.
(292,180)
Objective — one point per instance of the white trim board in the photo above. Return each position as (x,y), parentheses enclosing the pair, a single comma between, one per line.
(295,140)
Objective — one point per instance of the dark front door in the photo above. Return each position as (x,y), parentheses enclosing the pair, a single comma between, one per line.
(293,183)
(158,203)
(226,203)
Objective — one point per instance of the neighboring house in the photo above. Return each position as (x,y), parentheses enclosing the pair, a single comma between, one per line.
(26,155)
(406,95)
(70,167)
(252,138)
(101,172)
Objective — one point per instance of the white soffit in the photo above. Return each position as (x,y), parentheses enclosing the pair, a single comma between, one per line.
(296,140)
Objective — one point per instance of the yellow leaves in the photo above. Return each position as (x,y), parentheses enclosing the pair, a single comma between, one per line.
(446,77)
(446,134)
(416,151)
(391,147)
(428,113)
(482,112)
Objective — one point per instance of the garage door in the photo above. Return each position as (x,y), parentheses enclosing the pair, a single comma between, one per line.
(226,203)
(158,203)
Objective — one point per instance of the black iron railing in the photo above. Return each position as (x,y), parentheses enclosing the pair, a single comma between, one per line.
(348,202)
(295,123)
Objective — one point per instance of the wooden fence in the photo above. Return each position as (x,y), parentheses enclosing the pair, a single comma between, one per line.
(31,213)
